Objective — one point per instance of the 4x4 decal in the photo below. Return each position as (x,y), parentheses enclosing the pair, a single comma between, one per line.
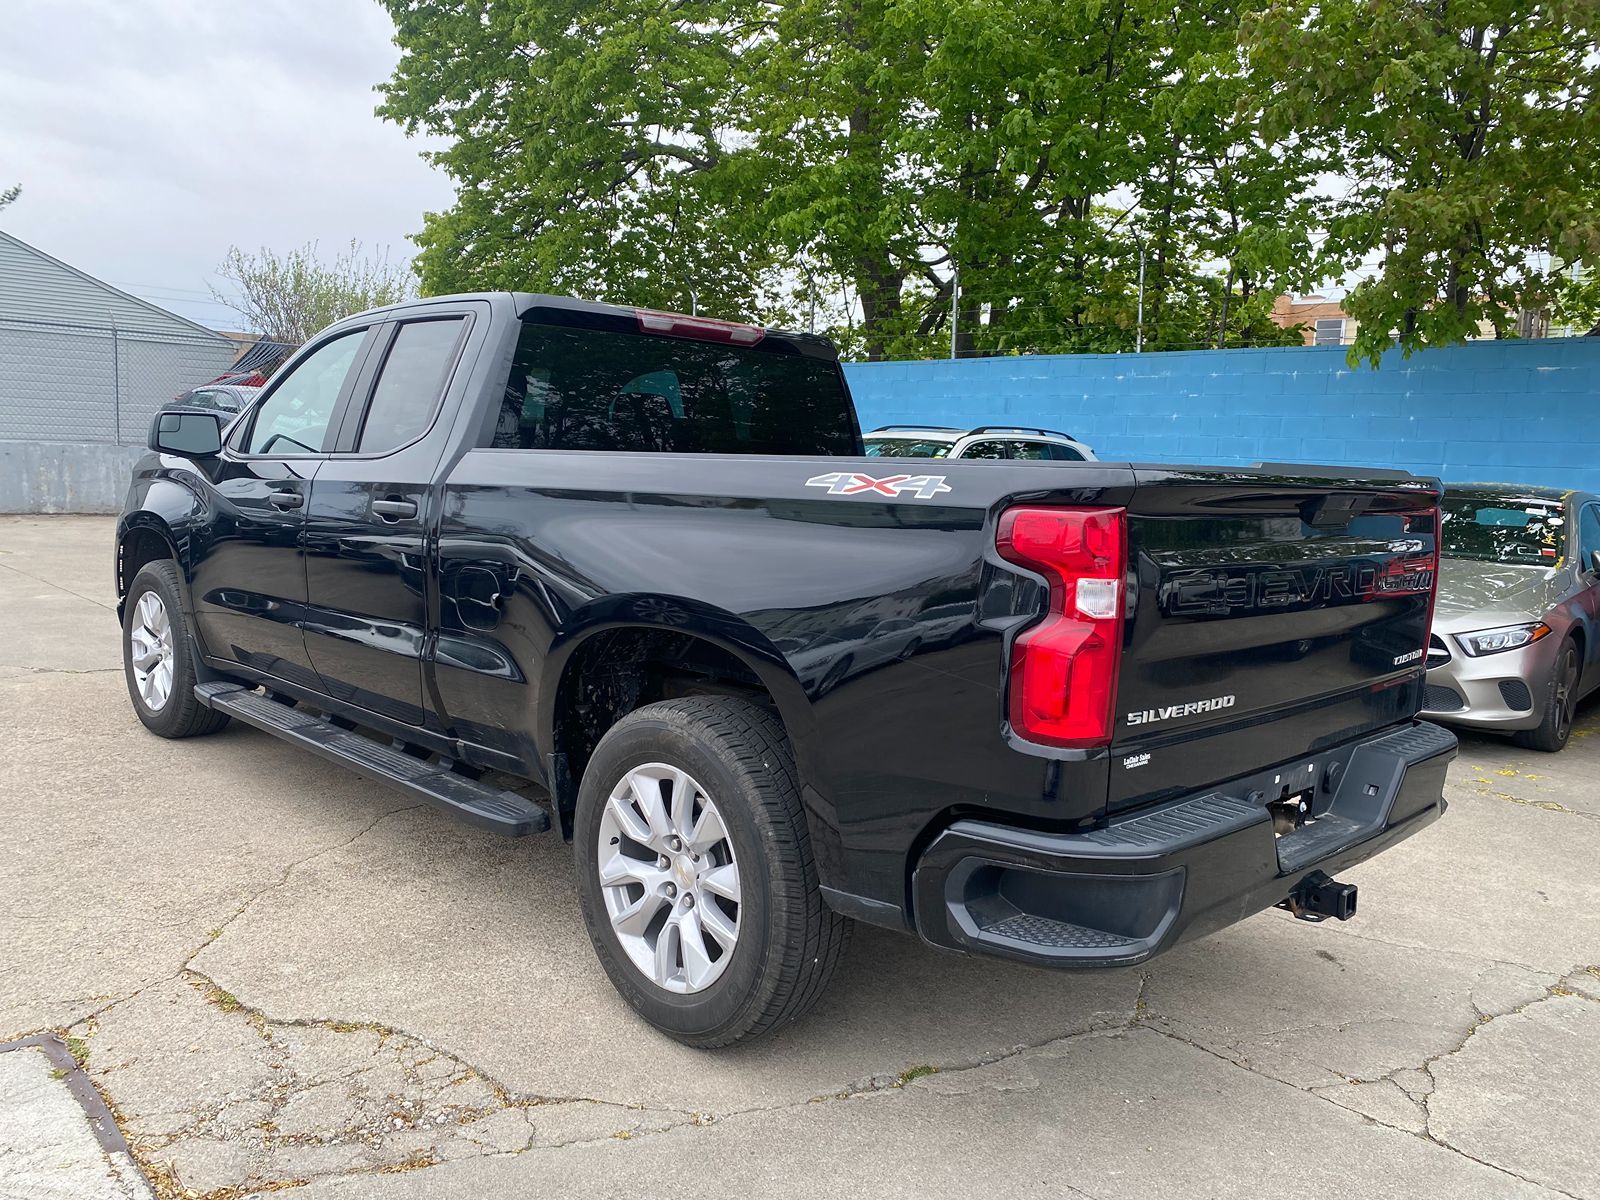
(848,483)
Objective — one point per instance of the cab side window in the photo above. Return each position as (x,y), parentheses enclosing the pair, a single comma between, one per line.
(410,384)
(294,419)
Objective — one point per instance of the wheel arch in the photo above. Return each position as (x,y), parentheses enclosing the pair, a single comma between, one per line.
(143,538)
(636,650)
(160,527)
(1579,636)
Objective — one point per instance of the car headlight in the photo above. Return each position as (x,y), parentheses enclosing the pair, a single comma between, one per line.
(1506,637)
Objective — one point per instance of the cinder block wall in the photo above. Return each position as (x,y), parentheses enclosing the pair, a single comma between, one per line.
(1517,411)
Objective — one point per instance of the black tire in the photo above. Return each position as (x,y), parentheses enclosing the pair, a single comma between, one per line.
(181,715)
(1560,701)
(789,941)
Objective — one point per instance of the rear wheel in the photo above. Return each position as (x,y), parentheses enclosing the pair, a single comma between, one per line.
(695,872)
(1561,699)
(158,656)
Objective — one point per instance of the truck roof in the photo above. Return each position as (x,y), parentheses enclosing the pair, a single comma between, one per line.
(615,318)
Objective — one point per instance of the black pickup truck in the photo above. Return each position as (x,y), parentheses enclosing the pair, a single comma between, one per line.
(628,573)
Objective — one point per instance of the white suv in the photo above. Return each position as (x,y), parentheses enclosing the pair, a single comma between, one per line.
(987,441)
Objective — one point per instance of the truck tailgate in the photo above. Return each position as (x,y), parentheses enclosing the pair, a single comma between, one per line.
(1274,615)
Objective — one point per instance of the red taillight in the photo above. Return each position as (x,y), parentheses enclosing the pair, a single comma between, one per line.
(705,329)
(1064,669)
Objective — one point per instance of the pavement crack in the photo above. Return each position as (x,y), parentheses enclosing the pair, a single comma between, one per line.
(507,1097)
(183,966)
(1483,1019)
(886,1083)
(1338,931)
(58,587)
(1546,805)
(284,877)
(70,671)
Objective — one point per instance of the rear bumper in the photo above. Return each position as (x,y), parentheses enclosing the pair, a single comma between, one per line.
(1119,895)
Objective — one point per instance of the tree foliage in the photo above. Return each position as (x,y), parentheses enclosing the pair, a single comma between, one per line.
(894,163)
(1469,134)
(1576,301)
(289,297)
(7,195)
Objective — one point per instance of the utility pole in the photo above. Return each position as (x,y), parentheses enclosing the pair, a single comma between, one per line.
(116,390)
(1138,335)
(694,303)
(1227,294)
(955,305)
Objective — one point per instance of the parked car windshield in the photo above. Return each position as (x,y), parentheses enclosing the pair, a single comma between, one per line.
(906,448)
(1504,529)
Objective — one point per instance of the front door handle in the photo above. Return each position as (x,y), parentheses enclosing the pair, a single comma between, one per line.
(395,510)
(285,499)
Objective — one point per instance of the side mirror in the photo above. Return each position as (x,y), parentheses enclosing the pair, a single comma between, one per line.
(188,432)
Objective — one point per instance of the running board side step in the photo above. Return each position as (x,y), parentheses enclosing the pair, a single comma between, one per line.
(473,802)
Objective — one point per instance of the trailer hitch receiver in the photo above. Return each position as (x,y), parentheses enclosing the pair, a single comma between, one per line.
(1316,898)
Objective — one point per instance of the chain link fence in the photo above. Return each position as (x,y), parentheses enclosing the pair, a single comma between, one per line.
(97,384)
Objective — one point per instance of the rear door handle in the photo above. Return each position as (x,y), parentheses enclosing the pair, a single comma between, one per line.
(285,499)
(394,510)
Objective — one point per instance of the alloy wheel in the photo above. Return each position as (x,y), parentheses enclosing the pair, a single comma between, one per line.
(1566,688)
(150,651)
(669,878)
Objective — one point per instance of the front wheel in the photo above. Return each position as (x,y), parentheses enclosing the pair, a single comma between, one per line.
(1561,700)
(158,656)
(695,872)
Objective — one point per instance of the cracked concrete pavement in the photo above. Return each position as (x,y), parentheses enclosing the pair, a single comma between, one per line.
(280,973)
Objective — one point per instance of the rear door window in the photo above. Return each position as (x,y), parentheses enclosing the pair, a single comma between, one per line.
(905,448)
(1045,451)
(410,383)
(995,449)
(583,389)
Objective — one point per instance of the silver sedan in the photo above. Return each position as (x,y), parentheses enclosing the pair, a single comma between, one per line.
(1515,640)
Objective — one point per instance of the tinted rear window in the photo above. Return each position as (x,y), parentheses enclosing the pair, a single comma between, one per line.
(581,389)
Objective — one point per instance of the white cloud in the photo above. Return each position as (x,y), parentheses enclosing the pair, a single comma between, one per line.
(150,136)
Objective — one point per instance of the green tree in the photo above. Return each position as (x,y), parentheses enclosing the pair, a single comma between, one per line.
(289,297)
(1468,132)
(745,154)
(7,195)
(1016,141)
(581,137)
(1576,300)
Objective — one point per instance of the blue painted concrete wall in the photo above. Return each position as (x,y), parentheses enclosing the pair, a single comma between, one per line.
(1517,411)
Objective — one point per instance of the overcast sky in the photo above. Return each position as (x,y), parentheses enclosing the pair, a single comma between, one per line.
(150,136)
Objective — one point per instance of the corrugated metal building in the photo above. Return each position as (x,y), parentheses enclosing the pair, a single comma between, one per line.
(83,364)
(82,361)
